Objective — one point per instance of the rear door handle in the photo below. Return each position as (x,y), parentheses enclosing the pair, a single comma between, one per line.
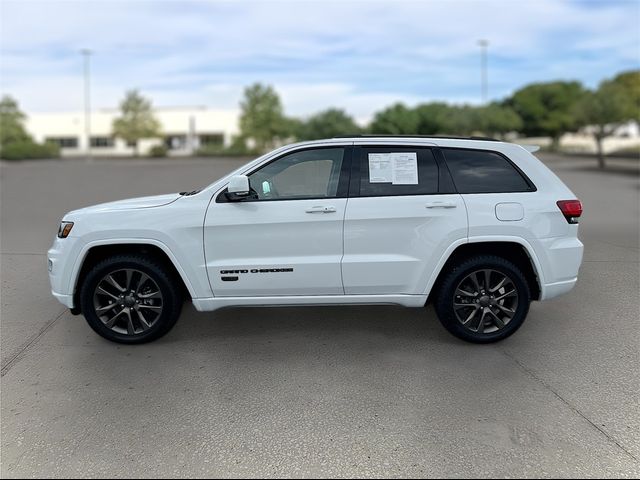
(441,205)
(321,209)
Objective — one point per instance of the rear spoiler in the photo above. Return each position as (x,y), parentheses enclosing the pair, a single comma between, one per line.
(531,148)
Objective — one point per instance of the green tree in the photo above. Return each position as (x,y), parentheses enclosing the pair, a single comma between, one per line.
(136,121)
(462,120)
(327,124)
(629,83)
(603,111)
(15,142)
(395,120)
(433,118)
(11,122)
(548,108)
(261,118)
(496,120)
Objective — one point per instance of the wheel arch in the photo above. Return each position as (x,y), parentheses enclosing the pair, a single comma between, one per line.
(95,252)
(515,250)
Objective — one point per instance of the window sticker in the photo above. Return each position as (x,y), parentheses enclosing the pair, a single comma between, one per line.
(404,168)
(380,170)
(397,168)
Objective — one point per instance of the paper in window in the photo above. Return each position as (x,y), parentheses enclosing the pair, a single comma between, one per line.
(380,168)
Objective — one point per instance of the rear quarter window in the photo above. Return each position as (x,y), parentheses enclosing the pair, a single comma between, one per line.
(479,171)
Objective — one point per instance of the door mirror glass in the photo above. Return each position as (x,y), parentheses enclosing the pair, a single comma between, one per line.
(239,186)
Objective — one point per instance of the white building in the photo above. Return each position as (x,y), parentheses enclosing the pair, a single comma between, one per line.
(184,130)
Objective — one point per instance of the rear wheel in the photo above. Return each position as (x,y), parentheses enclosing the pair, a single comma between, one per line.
(130,299)
(483,299)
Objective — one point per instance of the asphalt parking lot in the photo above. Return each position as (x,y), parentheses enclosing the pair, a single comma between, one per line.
(315,392)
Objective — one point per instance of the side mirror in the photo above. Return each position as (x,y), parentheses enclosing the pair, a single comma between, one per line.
(238,188)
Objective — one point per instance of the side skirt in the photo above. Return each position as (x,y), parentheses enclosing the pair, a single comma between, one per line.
(210,304)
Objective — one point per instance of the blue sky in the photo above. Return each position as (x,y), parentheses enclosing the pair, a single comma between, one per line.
(358,55)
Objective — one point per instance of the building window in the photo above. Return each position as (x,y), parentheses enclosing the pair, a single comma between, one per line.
(64,142)
(102,142)
(211,139)
(175,142)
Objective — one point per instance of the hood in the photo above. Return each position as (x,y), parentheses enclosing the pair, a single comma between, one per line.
(131,203)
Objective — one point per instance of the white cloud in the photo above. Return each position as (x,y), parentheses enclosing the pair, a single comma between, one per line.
(355,55)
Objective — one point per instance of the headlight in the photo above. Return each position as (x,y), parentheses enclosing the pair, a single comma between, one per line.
(65,229)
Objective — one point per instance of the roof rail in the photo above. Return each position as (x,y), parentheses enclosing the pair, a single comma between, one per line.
(444,137)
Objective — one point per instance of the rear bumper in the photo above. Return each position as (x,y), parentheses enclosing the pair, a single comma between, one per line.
(561,262)
(552,290)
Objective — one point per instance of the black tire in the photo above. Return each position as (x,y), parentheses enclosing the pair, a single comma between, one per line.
(461,276)
(165,315)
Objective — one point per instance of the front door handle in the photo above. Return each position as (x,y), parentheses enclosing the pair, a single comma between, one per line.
(441,205)
(321,209)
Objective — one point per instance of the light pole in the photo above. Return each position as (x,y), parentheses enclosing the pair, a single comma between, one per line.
(484,44)
(86,53)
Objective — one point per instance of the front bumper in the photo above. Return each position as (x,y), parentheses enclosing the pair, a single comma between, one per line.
(60,263)
(66,300)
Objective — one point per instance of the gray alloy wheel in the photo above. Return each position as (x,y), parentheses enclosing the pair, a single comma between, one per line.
(128,301)
(485,301)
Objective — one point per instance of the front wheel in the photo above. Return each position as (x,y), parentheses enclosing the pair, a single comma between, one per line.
(483,299)
(130,299)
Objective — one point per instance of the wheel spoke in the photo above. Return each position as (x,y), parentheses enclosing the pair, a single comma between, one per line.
(487,280)
(499,285)
(462,305)
(143,279)
(143,321)
(102,290)
(497,320)
(480,328)
(511,293)
(508,311)
(113,282)
(150,295)
(106,308)
(474,279)
(151,307)
(130,328)
(112,321)
(464,293)
(129,274)
(471,315)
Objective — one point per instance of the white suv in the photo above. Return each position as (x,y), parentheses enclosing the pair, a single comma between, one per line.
(479,227)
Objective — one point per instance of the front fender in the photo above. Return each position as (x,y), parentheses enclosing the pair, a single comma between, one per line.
(188,276)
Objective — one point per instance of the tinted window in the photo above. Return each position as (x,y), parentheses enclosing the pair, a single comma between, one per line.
(476,171)
(63,142)
(304,174)
(397,171)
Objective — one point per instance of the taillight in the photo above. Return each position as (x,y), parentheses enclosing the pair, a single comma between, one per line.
(571,209)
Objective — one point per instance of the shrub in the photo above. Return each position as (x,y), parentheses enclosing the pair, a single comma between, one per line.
(28,149)
(158,151)
(236,148)
(210,151)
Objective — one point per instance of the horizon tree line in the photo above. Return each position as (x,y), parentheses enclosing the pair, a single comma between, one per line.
(548,109)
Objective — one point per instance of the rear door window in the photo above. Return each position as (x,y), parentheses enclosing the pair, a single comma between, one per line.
(480,171)
(392,170)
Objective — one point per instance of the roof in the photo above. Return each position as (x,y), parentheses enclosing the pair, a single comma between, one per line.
(442,137)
